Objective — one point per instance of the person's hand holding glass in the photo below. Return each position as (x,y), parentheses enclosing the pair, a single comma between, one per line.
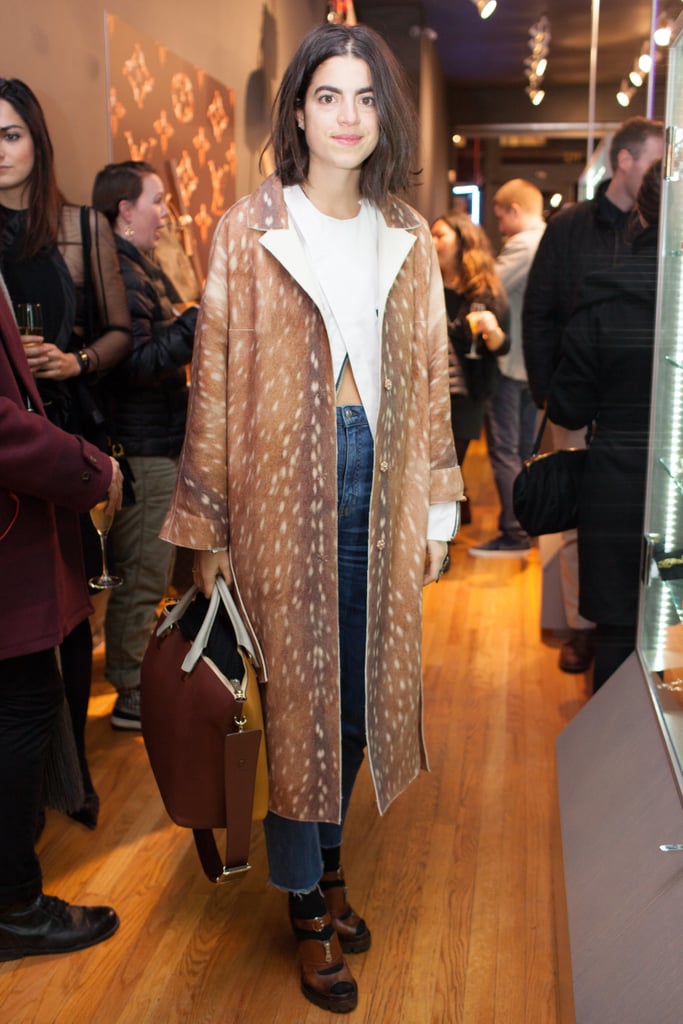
(45,360)
(484,324)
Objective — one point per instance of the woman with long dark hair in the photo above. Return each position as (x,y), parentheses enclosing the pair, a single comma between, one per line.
(318,473)
(42,260)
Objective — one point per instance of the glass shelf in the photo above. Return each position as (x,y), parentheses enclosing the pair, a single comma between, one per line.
(660,627)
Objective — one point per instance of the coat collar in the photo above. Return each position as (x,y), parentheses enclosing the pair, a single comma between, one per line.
(267,212)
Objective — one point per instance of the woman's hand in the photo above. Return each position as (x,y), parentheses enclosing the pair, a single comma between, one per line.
(207,566)
(486,324)
(46,361)
(437,551)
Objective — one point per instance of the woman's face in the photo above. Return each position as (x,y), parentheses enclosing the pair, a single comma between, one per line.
(447,247)
(339,116)
(17,155)
(146,215)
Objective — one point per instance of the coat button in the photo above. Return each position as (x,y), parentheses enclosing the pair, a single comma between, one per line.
(383,466)
(387,384)
(85,477)
(381,544)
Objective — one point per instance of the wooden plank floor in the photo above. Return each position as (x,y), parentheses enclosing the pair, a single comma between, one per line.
(461,881)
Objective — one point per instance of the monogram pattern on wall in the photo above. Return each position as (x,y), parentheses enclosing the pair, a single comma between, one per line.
(165,110)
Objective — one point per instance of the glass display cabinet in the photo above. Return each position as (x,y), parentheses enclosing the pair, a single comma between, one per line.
(660,631)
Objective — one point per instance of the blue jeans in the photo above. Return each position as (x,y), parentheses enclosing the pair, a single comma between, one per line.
(294,847)
(510,428)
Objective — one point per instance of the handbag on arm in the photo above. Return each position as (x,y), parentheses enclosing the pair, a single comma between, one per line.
(545,494)
(202,724)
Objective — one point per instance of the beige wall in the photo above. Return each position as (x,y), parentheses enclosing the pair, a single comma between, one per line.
(58,48)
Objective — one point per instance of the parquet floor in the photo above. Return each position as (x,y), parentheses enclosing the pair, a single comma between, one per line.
(461,881)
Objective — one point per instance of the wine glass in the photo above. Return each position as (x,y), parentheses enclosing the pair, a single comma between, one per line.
(30,322)
(102,520)
(476,307)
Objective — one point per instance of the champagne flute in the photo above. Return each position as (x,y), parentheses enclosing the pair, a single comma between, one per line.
(30,322)
(102,520)
(476,307)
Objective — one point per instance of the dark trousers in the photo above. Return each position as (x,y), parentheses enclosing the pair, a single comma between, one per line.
(31,693)
(613,644)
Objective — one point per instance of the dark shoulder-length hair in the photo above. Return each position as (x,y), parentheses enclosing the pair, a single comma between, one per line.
(45,201)
(475,263)
(116,182)
(390,167)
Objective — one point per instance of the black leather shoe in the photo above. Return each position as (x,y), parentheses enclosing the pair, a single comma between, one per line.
(49,925)
(578,651)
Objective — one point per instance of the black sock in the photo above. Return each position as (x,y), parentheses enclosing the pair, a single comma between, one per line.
(331,858)
(307,904)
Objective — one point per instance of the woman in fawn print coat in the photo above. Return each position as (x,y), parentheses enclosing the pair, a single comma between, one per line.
(319,473)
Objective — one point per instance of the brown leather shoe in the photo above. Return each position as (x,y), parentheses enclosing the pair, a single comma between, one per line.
(326,981)
(354,934)
(578,651)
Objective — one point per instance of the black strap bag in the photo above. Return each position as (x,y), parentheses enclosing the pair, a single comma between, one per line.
(545,494)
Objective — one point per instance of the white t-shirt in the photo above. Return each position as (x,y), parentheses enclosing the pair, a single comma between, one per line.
(343,255)
(344,258)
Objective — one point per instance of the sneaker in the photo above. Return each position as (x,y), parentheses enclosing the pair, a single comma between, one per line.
(502,547)
(126,713)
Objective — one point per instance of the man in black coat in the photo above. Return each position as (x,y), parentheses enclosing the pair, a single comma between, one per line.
(604,378)
(584,238)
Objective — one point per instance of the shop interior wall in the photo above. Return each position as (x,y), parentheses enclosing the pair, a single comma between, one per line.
(58,48)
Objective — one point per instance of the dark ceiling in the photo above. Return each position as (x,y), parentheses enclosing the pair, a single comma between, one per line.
(483,65)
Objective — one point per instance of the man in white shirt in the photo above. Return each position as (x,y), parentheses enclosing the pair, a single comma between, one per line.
(511,412)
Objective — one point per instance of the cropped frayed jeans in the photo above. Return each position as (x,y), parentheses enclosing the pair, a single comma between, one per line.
(294,847)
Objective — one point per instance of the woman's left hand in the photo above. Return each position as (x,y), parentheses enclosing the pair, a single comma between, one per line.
(437,550)
(48,361)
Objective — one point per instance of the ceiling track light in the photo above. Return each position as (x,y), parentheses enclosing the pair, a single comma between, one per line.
(636,76)
(625,93)
(536,65)
(662,34)
(485,8)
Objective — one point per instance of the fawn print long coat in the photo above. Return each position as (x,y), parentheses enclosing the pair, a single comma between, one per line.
(258,474)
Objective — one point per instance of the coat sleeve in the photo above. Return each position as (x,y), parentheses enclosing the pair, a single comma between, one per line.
(573,396)
(541,318)
(446,478)
(198,514)
(159,345)
(39,459)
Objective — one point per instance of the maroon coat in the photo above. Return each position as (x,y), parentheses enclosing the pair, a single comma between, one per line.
(46,477)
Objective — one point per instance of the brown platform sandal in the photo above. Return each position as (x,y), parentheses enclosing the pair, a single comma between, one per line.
(354,934)
(325,978)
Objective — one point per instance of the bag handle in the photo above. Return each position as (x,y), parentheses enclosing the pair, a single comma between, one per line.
(539,435)
(219,593)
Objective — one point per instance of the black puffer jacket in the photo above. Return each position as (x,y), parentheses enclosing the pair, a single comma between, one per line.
(580,240)
(147,393)
(604,376)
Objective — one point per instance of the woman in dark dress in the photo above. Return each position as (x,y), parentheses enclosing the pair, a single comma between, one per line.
(42,260)
(603,381)
(470,281)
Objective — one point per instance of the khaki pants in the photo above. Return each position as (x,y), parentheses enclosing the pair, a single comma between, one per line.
(145,562)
